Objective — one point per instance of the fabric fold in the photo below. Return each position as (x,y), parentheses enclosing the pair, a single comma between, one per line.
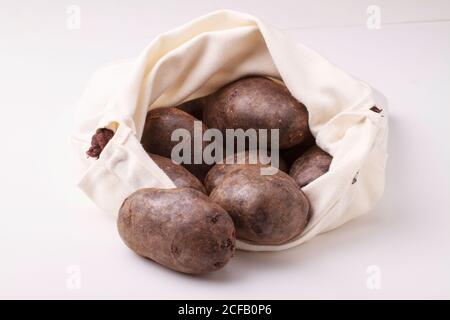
(198,58)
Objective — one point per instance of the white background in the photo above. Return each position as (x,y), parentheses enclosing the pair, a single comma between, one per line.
(47,225)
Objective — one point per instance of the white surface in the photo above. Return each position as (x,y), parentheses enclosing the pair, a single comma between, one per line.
(48,225)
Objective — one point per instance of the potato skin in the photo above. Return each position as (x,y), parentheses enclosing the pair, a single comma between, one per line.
(259,103)
(182,229)
(267,210)
(217,173)
(193,107)
(311,165)
(158,128)
(180,176)
(291,154)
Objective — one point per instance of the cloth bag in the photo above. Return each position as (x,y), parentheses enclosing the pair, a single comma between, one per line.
(196,59)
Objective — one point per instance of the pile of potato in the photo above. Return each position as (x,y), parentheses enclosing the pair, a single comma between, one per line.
(193,228)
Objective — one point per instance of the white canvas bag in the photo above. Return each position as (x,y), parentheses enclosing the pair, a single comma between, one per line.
(197,59)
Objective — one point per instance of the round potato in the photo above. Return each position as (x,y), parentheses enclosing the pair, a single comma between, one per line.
(156,137)
(258,103)
(311,165)
(181,229)
(217,173)
(268,210)
(178,174)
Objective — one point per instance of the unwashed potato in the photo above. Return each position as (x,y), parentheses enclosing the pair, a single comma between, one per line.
(258,103)
(311,165)
(193,107)
(268,209)
(293,153)
(217,173)
(177,173)
(182,229)
(156,137)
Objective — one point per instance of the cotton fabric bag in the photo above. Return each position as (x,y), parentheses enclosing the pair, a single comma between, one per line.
(197,59)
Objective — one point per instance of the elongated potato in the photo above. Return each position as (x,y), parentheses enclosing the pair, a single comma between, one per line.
(265,209)
(156,138)
(178,174)
(182,229)
(217,173)
(311,165)
(258,103)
